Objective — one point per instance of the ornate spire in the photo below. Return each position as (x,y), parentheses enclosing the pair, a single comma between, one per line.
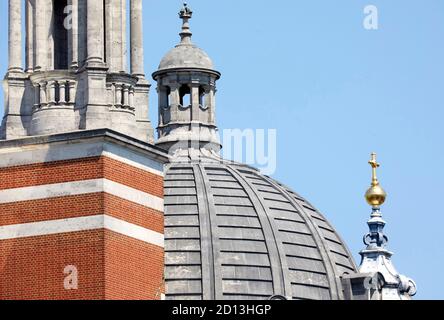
(376,259)
(375,197)
(186,14)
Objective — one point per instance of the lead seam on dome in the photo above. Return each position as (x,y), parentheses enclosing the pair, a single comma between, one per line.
(215,275)
(331,274)
(280,286)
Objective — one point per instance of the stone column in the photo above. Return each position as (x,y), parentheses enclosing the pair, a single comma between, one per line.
(72,92)
(51,92)
(41,35)
(138,69)
(43,96)
(15,36)
(131,98)
(161,110)
(81,34)
(195,102)
(211,104)
(97,114)
(163,97)
(38,29)
(119,89)
(95,32)
(174,101)
(73,34)
(30,35)
(62,92)
(125,96)
(122,33)
(36,96)
(137,63)
(109,34)
(116,47)
(175,98)
(49,40)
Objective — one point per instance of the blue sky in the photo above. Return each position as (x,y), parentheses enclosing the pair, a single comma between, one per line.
(335,92)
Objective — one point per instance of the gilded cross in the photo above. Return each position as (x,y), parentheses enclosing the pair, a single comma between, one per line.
(374,165)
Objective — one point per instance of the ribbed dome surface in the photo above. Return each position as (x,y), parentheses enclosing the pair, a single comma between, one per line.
(232,233)
(186,56)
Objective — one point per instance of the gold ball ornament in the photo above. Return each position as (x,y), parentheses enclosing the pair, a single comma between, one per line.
(375,196)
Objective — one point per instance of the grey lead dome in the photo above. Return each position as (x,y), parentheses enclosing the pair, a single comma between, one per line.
(232,233)
(186,56)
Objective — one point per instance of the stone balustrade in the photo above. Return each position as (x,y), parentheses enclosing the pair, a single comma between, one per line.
(121,89)
(54,89)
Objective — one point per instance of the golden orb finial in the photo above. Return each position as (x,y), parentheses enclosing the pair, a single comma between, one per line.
(375,196)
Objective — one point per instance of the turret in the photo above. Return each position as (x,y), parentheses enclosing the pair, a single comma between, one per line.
(186,84)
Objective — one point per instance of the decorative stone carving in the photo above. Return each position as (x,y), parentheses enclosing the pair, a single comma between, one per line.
(76,79)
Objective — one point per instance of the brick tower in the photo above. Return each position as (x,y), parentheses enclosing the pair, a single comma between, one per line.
(81,185)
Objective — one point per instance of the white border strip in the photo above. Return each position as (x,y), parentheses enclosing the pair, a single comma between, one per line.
(53,227)
(133,195)
(81,187)
(134,231)
(28,155)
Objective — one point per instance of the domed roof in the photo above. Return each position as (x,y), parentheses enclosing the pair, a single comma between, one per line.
(233,233)
(186,56)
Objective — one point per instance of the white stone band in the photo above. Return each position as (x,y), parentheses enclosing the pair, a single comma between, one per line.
(13,157)
(79,188)
(52,227)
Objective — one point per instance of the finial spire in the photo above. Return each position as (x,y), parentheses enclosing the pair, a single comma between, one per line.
(375,196)
(376,261)
(186,14)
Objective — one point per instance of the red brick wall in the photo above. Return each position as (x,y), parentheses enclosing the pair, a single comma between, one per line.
(51,209)
(127,264)
(132,177)
(50,172)
(81,206)
(78,170)
(134,213)
(33,268)
(110,265)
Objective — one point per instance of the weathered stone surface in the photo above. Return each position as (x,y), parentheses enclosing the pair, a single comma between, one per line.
(75,78)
